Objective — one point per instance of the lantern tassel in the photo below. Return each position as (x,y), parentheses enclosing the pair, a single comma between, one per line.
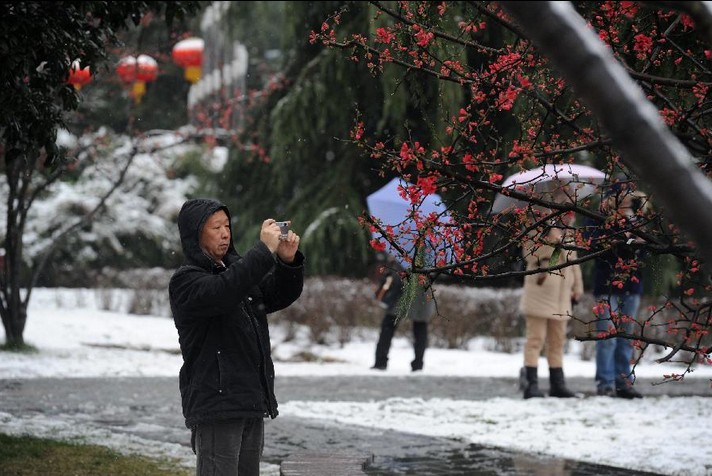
(192,74)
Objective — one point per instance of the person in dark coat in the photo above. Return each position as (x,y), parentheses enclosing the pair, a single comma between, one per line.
(388,293)
(618,288)
(220,301)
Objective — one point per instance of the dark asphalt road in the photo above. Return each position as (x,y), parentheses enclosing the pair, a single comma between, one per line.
(150,408)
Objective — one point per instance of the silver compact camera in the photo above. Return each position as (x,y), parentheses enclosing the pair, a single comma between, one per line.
(283,228)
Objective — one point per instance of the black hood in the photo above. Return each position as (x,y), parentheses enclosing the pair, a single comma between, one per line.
(191,219)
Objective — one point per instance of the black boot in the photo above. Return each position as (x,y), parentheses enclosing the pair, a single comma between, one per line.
(383,347)
(420,343)
(529,382)
(558,386)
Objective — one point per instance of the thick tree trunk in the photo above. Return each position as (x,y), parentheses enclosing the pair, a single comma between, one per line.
(13,321)
(13,309)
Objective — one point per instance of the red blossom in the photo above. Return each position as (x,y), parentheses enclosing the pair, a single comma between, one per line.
(504,61)
(463,115)
(470,163)
(406,154)
(629,8)
(506,99)
(384,36)
(669,116)
(412,194)
(358,132)
(524,81)
(494,178)
(424,38)
(427,184)
(468,27)
(378,245)
(700,92)
(643,45)
(688,22)
(474,152)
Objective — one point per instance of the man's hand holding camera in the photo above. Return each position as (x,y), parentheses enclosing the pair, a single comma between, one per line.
(280,239)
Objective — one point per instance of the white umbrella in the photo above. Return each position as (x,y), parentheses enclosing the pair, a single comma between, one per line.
(387,205)
(581,179)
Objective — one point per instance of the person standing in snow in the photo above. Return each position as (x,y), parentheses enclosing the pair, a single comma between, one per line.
(422,308)
(220,301)
(546,303)
(618,288)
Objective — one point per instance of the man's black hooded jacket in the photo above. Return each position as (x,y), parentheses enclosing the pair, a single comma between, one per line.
(221,317)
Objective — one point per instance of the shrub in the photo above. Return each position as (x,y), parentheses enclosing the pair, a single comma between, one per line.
(333,309)
(332,305)
(336,307)
(465,313)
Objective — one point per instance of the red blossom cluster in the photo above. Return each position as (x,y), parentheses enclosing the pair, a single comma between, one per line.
(511,111)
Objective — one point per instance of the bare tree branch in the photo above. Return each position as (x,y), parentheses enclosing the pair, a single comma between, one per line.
(63,234)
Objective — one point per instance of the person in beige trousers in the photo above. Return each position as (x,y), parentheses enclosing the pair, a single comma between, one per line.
(546,305)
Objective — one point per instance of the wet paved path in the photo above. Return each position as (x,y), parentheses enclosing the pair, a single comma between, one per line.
(150,409)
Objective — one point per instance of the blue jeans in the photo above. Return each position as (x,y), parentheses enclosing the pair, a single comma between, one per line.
(613,355)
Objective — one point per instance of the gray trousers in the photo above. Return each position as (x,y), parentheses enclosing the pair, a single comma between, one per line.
(231,448)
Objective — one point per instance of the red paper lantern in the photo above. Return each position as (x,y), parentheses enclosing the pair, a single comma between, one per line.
(126,69)
(188,54)
(79,76)
(147,69)
(137,71)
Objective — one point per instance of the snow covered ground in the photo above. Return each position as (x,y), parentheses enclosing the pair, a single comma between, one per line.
(665,435)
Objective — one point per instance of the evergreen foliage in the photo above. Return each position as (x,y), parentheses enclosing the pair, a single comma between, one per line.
(296,161)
